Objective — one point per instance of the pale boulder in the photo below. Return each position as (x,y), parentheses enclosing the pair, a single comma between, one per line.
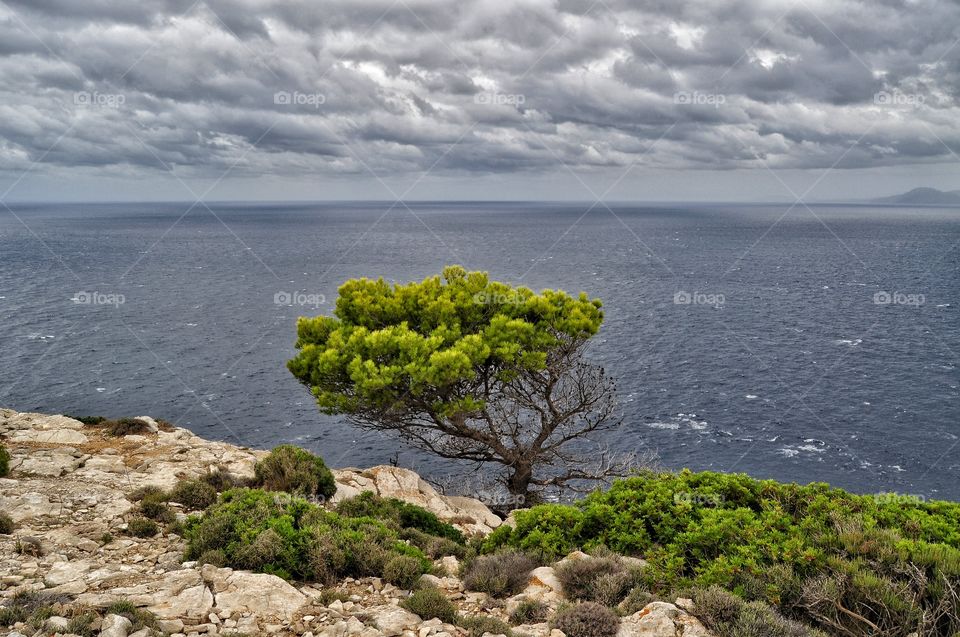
(262,594)
(660,619)
(115,626)
(393,620)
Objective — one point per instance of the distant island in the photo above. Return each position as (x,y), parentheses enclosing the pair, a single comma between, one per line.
(923,196)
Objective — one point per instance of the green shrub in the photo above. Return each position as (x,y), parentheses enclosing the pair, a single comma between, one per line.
(605,580)
(6,524)
(329,595)
(216,557)
(292,538)
(429,603)
(220,479)
(82,625)
(726,614)
(106,538)
(529,611)
(148,490)
(142,527)
(499,575)
(140,618)
(399,514)
(264,550)
(403,571)
(587,619)
(478,625)
(154,506)
(125,426)
(813,551)
(295,470)
(27,605)
(90,421)
(636,600)
(4,462)
(195,495)
(434,546)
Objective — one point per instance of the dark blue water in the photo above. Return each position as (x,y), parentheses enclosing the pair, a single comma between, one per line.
(784,366)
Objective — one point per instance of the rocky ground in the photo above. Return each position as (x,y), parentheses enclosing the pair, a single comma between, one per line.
(67,494)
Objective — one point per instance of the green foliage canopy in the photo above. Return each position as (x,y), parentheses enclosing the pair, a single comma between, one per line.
(432,340)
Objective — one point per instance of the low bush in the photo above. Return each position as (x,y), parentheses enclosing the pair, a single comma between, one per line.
(499,575)
(586,619)
(636,600)
(90,421)
(293,538)
(605,580)
(195,495)
(220,479)
(148,490)
(140,618)
(851,564)
(726,614)
(399,514)
(25,606)
(295,470)
(479,625)
(154,506)
(529,611)
(82,625)
(6,524)
(430,602)
(403,571)
(142,527)
(216,557)
(125,426)
(433,545)
(4,462)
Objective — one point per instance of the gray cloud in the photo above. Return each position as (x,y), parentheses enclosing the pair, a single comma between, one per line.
(477,86)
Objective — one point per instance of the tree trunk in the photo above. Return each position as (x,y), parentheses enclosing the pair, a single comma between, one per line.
(518,482)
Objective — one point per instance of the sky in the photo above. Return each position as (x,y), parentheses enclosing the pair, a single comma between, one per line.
(619,100)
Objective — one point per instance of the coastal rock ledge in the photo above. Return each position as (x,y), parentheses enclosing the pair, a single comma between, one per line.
(67,496)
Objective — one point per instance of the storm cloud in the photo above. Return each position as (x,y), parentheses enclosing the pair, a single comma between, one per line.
(470,87)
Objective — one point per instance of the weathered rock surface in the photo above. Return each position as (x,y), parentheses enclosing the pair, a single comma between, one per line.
(660,619)
(472,516)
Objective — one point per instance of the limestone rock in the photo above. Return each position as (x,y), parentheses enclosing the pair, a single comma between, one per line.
(660,619)
(393,620)
(259,593)
(115,626)
(469,515)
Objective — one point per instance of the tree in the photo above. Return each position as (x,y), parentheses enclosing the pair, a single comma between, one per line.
(469,369)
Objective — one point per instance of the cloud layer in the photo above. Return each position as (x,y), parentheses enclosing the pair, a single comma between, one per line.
(461,87)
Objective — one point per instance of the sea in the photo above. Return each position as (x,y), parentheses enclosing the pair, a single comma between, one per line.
(807,343)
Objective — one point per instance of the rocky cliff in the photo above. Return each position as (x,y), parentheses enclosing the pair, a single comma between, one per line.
(67,495)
